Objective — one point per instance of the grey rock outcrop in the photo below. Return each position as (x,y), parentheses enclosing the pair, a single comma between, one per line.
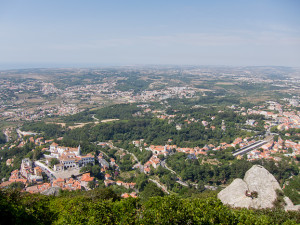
(234,194)
(52,191)
(257,180)
(290,206)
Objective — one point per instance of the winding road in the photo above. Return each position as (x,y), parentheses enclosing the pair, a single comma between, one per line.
(139,164)
(160,185)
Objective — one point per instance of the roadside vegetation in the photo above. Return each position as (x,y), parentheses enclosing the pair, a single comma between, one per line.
(104,206)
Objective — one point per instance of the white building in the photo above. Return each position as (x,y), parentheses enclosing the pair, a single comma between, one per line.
(69,157)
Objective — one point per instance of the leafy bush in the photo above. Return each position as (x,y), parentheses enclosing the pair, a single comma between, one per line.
(103,206)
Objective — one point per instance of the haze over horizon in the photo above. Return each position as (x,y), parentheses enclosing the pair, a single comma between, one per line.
(231,33)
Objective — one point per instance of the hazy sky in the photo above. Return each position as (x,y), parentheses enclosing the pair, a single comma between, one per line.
(244,32)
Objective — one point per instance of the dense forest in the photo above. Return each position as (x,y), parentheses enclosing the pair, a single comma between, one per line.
(132,83)
(135,124)
(46,129)
(81,117)
(226,168)
(154,131)
(103,206)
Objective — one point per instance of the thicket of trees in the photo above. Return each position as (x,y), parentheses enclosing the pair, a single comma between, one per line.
(132,83)
(120,111)
(154,131)
(292,189)
(210,99)
(293,133)
(103,206)
(214,172)
(81,117)
(142,155)
(224,170)
(17,154)
(47,130)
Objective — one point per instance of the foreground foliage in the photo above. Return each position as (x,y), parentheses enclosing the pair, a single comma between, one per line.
(104,206)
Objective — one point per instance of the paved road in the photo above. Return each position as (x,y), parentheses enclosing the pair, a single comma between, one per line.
(163,164)
(182,183)
(46,170)
(93,116)
(160,186)
(249,148)
(61,174)
(178,180)
(139,164)
(104,153)
(21,133)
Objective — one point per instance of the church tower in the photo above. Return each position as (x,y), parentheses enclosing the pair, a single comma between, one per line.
(78,151)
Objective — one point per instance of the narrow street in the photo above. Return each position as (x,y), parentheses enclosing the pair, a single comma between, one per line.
(140,166)
(160,186)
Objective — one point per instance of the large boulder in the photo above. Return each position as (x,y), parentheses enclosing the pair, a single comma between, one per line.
(52,191)
(257,190)
(234,194)
(290,206)
(264,183)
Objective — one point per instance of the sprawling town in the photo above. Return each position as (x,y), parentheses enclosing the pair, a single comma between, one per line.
(263,129)
(150,112)
(48,98)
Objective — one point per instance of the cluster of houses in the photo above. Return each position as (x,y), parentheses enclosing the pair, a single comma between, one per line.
(31,176)
(269,149)
(40,112)
(154,161)
(285,120)
(165,150)
(266,151)
(38,141)
(73,184)
(288,121)
(28,174)
(132,194)
(69,184)
(105,165)
(109,181)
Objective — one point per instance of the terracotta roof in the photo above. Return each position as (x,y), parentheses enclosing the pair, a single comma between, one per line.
(125,195)
(5,183)
(59,180)
(87,177)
